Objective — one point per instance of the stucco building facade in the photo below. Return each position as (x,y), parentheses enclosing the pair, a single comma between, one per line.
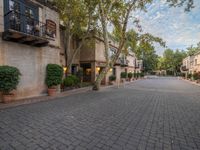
(191,64)
(30,40)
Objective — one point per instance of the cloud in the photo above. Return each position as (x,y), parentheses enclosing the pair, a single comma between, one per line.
(178,28)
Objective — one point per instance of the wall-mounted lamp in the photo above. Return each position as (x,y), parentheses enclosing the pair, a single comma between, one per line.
(98,69)
(64,69)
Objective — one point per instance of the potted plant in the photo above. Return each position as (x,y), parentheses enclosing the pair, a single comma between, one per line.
(54,74)
(123,76)
(189,76)
(112,78)
(142,74)
(198,77)
(9,79)
(130,75)
(195,76)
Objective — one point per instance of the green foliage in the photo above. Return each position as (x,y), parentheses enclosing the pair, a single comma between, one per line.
(192,50)
(183,75)
(189,76)
(123,75)
(171,61)
(141,74)
(189,4)
(112,78)
(135,75)
(54,74)
(9,78)
(79,73)
(130,75)
(196,75)
(71,81)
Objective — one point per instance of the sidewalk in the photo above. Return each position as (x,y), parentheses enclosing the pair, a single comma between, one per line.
(44,98)
(191,82)
(59,95)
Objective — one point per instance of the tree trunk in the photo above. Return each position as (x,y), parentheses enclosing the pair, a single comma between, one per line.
(67,46)
(103,73)
(110,63)
(100,77)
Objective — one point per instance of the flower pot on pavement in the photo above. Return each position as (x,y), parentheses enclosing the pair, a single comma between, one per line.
(52,91)
(7,98)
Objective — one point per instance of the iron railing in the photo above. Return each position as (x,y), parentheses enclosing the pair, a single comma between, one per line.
(24,23)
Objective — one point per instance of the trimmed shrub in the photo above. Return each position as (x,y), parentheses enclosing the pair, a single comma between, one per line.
(195,76)
(9,78)
(135,75)
(112,78)
(142,74)
(130,75)
(68,82)
(123,75)
(54,74)
(71,81)
(189,76)
(183,75)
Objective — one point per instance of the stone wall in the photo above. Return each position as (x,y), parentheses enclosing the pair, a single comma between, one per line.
(1,16)
(87,52)
(31,61)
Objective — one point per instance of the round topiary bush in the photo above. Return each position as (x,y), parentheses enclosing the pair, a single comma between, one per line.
(130,75)
(71,81)
(112,78)
(195,76)
(123,75)
(142,74)
(189,76)
(9,78)
(54,74)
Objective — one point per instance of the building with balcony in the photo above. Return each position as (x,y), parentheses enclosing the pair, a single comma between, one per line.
(91,59)
(191,64)
(30,40)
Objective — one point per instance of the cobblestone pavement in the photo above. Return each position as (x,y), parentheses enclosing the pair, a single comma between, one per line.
(152,114)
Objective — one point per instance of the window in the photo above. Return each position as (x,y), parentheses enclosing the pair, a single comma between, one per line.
(21,15)
(195,62)
(114,71)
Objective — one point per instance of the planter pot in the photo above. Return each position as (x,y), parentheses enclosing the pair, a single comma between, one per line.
(8,98)
(111,82)
(123,80)
(52,91)
(198,81)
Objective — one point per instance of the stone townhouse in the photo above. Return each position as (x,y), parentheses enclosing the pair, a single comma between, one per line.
(191,64)
(91,59)
(30,40)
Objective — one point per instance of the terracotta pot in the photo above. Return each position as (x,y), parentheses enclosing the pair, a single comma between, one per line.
(8,98)
(51,91)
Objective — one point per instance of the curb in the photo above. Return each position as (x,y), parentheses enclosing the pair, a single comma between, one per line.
(38,99)
(191,82)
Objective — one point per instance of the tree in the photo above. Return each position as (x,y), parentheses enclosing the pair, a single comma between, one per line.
(192,50)
(118,14)
(78,18)
(172,61)
(189,4)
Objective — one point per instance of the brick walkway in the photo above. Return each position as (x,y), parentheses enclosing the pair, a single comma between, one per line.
(152,114)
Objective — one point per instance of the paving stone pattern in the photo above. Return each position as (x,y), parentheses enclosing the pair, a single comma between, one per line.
(152,114)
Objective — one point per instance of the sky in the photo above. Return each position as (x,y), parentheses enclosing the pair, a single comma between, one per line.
(177,28)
